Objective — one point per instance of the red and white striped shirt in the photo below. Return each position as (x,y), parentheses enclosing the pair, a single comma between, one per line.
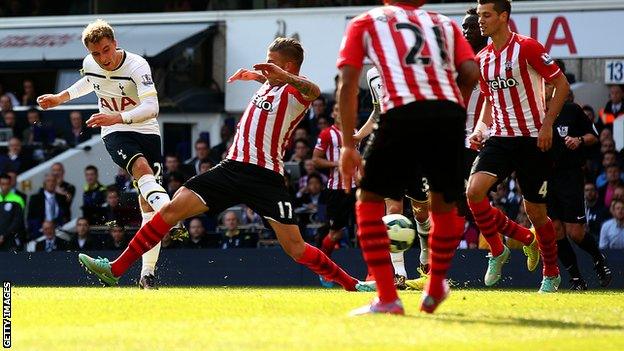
(330,142)
(473,111)
(266,125)
(513,80)
(415,51)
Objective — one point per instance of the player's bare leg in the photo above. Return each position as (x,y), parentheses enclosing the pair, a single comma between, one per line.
(185,204)
(293,244)
(443,241)
(546,239)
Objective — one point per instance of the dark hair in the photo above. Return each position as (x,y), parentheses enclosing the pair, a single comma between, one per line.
(315,175)
(289,48)
(172,154)
(5,176)
(200,141)
(614,201)
(588,108)
(301,140)
(112,189)
(613,165)
(472,12)
(500,6)
(609,152)
(561,65)
(91,168)
(31,110)
(82,219)
(178,176)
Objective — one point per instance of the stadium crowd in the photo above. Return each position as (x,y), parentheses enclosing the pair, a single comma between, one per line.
(109,214)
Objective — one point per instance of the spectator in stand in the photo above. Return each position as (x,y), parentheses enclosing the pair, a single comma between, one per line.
(8,194)
(10,121)
(13,175)
(36,132)
(595,211)
(62,187)
(10,95)
(234,237)
(94,195)
(614,107)
(79,133)
(314,196)
(250,217)
(47,205)
(605,193)
(51,242)
(608,158)
(310,120)
(322,123)
(123,181)
(219,151)
(612,231)
(83,241)
(176,179)
(302,153)
(197,236)
(309,167)
(114,212)
(202,152)
(16,158)
(29,97)
(205,166)
(299,133)
(11,216)
(5,104)
(117,238)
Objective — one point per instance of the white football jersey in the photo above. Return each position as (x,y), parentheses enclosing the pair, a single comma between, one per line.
(121,90)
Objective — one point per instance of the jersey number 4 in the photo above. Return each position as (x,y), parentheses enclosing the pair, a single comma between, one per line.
(415,53)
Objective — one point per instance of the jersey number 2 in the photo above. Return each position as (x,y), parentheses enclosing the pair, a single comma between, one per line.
(415,54)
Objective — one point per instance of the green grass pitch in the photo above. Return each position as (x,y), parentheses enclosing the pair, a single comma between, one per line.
(309,319)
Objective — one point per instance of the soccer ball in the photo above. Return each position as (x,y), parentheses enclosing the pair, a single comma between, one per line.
(400,231)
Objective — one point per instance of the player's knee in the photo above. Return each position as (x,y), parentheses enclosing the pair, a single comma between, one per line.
(474,193)
(537,215)
(170,213)
(141,168)
(294,249)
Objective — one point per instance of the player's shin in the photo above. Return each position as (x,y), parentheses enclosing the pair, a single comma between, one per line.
(398,263)
(149,258)
(548,248)
(322,265)
(145,239)
(444,238)
(423,229)
(484,215)
(153,192)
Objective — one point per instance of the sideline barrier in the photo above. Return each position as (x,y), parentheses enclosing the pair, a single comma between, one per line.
(270,267)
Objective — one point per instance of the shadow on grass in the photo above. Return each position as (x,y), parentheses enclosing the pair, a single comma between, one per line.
(515,321)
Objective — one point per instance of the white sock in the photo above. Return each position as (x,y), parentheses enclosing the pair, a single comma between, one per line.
(149,258)
(423,237)
(152,192)
(398,263)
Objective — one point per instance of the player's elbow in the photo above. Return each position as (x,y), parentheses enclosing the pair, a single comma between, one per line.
(562,85)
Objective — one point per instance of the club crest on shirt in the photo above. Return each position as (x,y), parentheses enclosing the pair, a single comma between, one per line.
(547,59)
(508,65)
(381,18)
(563,131)
(121,87)
(146,79)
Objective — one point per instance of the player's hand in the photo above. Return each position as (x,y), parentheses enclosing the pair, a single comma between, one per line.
(103,120)
(544,138)
(476,140)
(572,143)
(245,74)
(350,161)
(47,101)
(272,73)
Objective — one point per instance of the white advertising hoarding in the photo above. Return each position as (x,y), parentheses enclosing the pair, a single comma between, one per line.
(565,35)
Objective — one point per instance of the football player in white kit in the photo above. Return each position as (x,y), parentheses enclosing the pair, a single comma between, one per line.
(418,197)
(128,105)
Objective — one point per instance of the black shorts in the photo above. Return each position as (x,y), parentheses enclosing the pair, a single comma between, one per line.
(566,201)
(126,147)
(500,156)
(231,183)
(418,191)
(340,208)
(420,139)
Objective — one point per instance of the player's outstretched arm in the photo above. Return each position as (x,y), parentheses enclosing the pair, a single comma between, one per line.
(245,74)
(78,89)
(368,127)
(276,75)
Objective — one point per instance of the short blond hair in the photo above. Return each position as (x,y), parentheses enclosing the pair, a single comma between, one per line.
(97,30)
